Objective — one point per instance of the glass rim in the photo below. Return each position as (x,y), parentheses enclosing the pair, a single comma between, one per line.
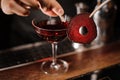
(33,23)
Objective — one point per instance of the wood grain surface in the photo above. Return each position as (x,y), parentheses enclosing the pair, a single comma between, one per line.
(79,63)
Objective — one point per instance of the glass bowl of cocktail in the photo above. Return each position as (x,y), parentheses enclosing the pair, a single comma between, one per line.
(53,30)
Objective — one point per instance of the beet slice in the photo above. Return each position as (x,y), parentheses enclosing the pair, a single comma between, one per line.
(82,29)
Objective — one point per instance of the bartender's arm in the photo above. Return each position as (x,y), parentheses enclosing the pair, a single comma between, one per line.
(22,7)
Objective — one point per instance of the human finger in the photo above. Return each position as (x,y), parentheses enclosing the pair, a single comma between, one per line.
(33,3)
(50,8)
(21,10)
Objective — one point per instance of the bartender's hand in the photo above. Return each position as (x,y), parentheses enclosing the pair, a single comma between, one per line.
(22,7)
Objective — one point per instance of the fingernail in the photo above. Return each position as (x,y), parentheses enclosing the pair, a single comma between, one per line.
(26,13)
(38,5)
(58,11)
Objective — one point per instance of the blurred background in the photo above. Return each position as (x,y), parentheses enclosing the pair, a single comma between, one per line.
(16,30)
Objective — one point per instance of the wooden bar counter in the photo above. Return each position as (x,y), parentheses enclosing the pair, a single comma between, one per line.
(79,63)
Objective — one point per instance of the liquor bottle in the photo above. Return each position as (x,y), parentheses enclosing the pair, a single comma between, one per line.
(105,20)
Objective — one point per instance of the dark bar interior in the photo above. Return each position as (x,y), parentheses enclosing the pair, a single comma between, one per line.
(22,50)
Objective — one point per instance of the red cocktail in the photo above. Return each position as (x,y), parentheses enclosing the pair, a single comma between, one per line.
(53,31)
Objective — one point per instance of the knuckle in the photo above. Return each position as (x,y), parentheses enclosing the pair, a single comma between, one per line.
(11,4)
(7,8)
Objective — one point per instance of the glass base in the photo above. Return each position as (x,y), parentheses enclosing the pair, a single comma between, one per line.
(48,67)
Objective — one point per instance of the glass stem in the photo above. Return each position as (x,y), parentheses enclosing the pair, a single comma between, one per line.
(54,52)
